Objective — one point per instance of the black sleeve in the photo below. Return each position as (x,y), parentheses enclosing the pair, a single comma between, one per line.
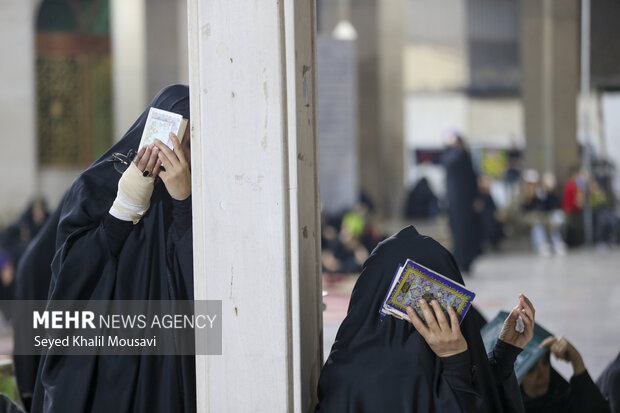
(182,215)
(584,396)
(179,247)
(116,232)
(457,373)
(502,360)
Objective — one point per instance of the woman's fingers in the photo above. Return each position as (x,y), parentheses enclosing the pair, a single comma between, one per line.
(431,322)
(150,166)
(164,161)
(417,323)
(176,144)
(144,159)
(547,342)
(139,155)
(440,316)
(157,167)
(171,159)
(454,319)
(527,306)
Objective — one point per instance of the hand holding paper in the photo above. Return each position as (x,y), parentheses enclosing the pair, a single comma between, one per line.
(510,332)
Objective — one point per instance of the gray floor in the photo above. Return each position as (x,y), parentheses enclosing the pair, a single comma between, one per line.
(576,296)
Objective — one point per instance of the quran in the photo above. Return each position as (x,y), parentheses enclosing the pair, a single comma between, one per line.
(530,354)
(159,124)
(413,282)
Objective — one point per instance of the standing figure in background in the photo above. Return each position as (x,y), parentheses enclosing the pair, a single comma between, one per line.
(604,217)
(572,204)
(492,228)
(464,204)
(551,204)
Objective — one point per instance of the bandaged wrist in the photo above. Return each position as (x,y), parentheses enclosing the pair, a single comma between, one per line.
(134,195)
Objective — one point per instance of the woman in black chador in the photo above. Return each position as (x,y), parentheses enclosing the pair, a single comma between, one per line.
(391,365)
(464,203)
(125,237)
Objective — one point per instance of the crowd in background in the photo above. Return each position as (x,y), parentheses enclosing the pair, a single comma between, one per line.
(14,238)
(521,204)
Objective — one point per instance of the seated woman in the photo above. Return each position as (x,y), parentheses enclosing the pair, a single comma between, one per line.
(391,365)
(125,237)
(544,390)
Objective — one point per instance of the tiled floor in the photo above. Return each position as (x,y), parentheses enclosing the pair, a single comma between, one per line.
(577,296)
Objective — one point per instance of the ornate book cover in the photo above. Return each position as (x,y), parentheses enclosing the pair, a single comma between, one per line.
(159,124)
(414,281)
(530,354)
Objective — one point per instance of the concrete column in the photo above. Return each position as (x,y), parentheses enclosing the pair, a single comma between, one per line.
(549,59)
(255,194)
(391,39)
(129,69)
(364,19)
(18,157)
(149,51)
(380,27)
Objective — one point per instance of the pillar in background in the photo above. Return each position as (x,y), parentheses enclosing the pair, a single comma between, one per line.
(391,39)
(337,123)
(18,156)
(365,19)
(149,51)
(255,201)
(550,65)
(129,79)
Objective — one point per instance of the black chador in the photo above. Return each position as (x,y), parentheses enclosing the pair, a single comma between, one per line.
(154,262)
(386,366)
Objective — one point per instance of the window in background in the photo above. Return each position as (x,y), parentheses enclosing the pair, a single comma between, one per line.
(73,81)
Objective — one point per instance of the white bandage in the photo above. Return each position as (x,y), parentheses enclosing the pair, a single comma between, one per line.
(133,198)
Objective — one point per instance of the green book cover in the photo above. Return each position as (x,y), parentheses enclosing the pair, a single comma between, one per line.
(530,354)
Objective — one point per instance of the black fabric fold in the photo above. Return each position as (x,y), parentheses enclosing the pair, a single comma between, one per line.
(116,231)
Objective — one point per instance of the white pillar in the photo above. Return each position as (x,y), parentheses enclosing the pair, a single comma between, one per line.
(129,71)
(255,194)
(18,156)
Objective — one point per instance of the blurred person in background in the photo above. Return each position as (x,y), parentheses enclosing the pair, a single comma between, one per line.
(492,226)
(15,237)
(555,218)
(32,281)
(464,203)
(545,391)
(14,240)
(609,384)
(421,201)
(573,196)
(7,272)
(605,220)
(534,208)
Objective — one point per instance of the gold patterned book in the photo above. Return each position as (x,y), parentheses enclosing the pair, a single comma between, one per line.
(413,282)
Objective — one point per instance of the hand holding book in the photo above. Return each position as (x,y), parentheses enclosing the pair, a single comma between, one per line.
(442,336)
(175,169)
(510,333)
